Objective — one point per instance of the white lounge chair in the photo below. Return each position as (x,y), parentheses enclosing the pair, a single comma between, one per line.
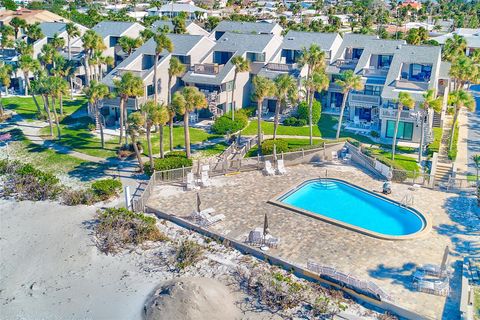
(269,169)
(191,185)
(281,167)
(334,156)
(271,241)
(205,179)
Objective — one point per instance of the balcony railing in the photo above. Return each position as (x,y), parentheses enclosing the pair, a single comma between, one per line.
(138,73)
(132,103)
(207,68)
(375,72)
(411,85)
(392,113)
(346,63)
(282,67)
(364,99)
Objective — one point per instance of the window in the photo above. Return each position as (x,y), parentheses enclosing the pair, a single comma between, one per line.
(256,57)
(405,130)
(384,61)
(221,57)
(372,90)
(356,53)
(420,72)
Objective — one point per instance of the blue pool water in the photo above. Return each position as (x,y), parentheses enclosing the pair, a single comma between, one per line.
(343,202)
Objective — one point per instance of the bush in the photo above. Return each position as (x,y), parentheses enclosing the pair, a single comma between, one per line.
(374,134)
(126,151)
(225,124)
(91,127)
(168,163)
(399,176)
(452,153)
(294,122)
(434,146)
(106,188)
(171,154)
(78,197)
(267,146)
(302,111)
(188,254)
(118,227)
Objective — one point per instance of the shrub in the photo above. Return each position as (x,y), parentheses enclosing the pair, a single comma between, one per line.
(452,153)
(374,134)
(168,163)
(78,197)
(91,127)
(294,122)
(118,227)
(40,116)
(399,176)
(171,154)
(434,146)
(225,124)
(302,111)
(188,253)
(106,188)
(281,146)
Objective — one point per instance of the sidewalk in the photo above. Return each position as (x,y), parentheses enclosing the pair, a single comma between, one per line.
(462,160)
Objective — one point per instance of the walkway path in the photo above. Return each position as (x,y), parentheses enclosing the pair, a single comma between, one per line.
(473,136)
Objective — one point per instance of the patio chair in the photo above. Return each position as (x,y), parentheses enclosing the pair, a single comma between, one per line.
(271,241)
(334,156)
(268,170)
(198,216)
(210,220)
(191,185)
(281,167)
(255,237)
(205,179)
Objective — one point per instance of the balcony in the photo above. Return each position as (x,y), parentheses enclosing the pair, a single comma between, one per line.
(403,84)
(207,68)
(375,72)
(282,67)
(346,63)
(392,114)
(132,103)
(355,98)
(139,73)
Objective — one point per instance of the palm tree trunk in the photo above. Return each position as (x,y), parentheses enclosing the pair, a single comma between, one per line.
(71,88)
(187,133)
(137,153)
(310,117)
(170,138)
(160,132)
(49,116)
(27,84)
(275,120)
(100,124)
(61,103)
(259,124)
(233,95)
(397,121)
(87,70)
(149,145)
(57,123)
(169,91)
(122,106)
(1,105)
(455,117)
(69,49)
(342,110)
(155,80)
(125,117)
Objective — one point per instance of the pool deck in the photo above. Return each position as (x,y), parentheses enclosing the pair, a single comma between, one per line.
(242,198)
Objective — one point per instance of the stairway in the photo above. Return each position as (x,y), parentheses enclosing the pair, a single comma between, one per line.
(443,172)
(437,120)
(444,164)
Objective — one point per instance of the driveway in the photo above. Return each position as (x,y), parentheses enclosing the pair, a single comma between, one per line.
(474,128)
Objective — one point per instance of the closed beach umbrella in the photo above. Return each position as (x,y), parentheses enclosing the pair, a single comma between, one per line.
(198,202)
(265,225)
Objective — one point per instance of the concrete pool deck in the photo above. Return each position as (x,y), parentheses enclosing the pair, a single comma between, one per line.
(242,198)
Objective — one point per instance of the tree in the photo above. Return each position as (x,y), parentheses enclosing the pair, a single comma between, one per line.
(185,101)
(175,69)
(160,118)
(23,48)
(146,34)
(459,99)
(162,42)
(136,121)
(72,32)
(314,59)
(461,71)
(405,100)
(57,86)
(263,88)
(128,86)
(129,44)
(148,109)
(5,74)
(17,23)
(57,42)
(286,91)
(430,101)
(476,162)
(92,41)
(318,81)
(348,82)
(454,48)
(241,65)
(6,33)
(179,25)
(47,55)
(28,65)
(95,93)
(34,32)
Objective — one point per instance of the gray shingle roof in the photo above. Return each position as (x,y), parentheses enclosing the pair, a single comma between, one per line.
(112,28)
(166,23)
(245,27)
(180,7)
(239,42)
(297,40)
(50,28)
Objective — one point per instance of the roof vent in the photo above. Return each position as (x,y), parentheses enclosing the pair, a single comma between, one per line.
(399,46)
(290,38)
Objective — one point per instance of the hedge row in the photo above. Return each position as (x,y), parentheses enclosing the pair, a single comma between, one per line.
(225,124)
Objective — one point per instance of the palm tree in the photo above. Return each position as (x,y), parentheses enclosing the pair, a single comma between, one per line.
(318,81)
(405,100)
(57,87)
(349,82)
(92,41)
(6,33)
(34,32)
(5,74)
(28,65)
(162,42)
(175,69)
(148,109)
(128,86)
(129,44)
(136,121)
(286,91)
(241,65)
(94,93)
(160,118)
(430,101)
(17,23)
(185,101)
(40,85)
(146,34)
(72,32)
(459,99)
(476,162)
(23,48)
(461,71)
(454,47)
(263,88)
(57,42)
(47,55)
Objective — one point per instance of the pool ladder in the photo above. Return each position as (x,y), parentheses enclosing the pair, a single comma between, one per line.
(407,200)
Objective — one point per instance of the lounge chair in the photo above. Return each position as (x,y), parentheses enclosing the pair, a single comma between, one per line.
(255,237)
(269,169)
(205,179)
(439,288)
(271,241)
(334,156)
(209,220)
(191,185)
(281,167)
(435,270)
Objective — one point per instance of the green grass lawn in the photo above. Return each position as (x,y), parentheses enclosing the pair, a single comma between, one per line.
(26,108)
(293,145)
(401,162)
(434,146)
(324,129)
(476,304)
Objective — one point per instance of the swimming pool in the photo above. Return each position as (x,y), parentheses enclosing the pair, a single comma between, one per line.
(344,204)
